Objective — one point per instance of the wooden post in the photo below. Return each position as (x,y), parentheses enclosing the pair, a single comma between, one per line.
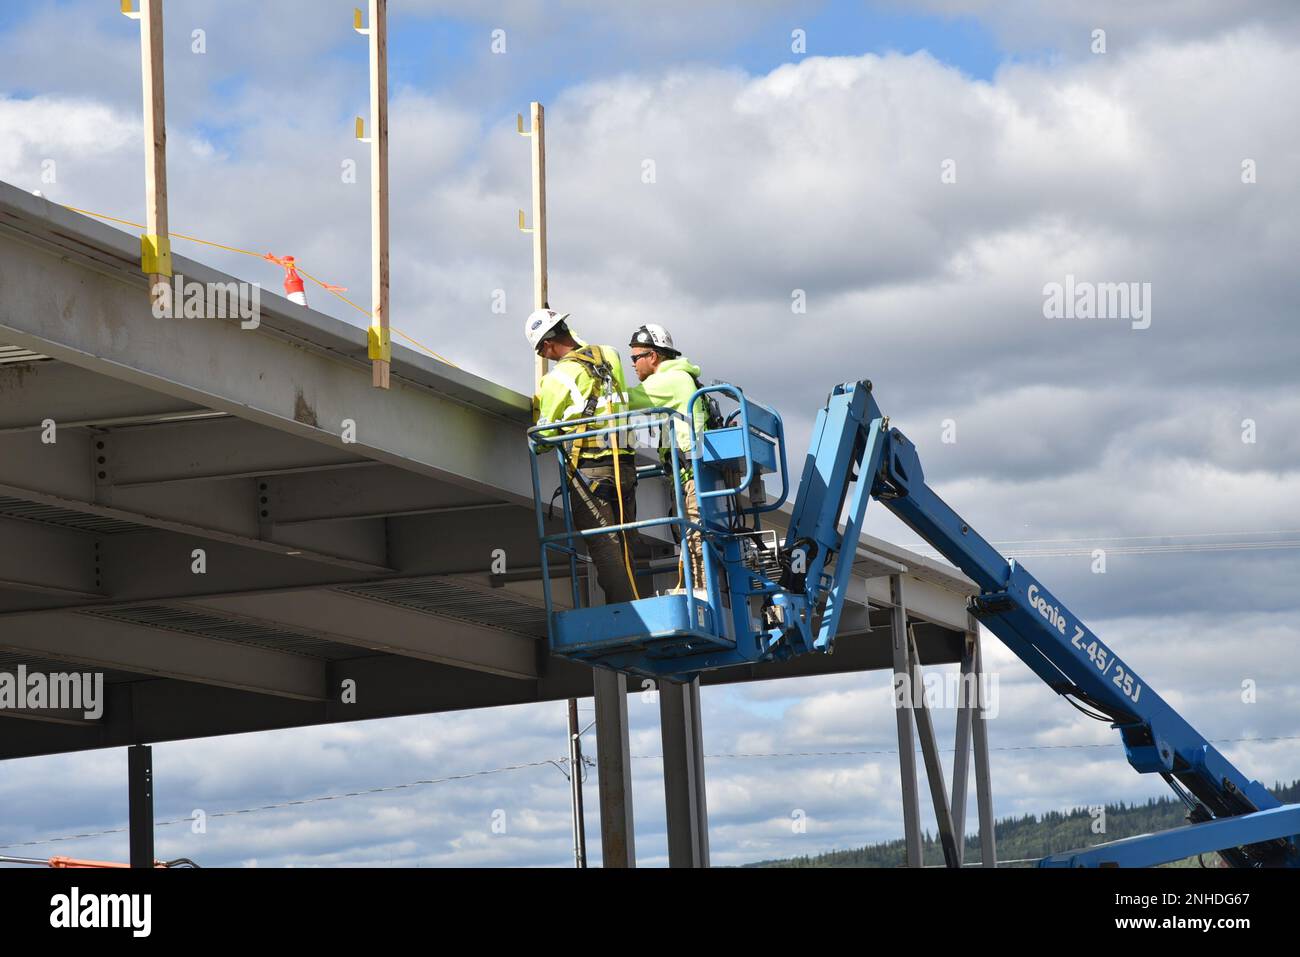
(155,244)
(541,294)
(381,349)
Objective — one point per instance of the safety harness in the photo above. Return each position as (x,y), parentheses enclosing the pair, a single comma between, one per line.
(604,391)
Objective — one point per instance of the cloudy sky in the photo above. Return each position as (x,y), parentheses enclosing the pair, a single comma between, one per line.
(918,174)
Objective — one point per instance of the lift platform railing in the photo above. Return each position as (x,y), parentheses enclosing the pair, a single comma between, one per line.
(556,437)
(727,463)
(755,419)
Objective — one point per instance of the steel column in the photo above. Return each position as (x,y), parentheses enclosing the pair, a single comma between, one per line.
(683,774)
(701,799)
(961,748)
(983,790)
(139,763)
(614,769)
(933,766)
(903,719)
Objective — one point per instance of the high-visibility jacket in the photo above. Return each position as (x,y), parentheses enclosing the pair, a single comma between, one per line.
(587,382)
(670,387)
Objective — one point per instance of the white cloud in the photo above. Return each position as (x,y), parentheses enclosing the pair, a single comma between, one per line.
(824,176)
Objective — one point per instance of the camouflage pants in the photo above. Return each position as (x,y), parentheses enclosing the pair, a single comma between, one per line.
(695,546)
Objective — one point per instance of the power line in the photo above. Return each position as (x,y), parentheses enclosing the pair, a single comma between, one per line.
(365,792)
(1024,747)
(283,804)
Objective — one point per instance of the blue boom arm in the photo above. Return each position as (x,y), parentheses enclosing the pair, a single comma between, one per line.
(855,456)
(762,600)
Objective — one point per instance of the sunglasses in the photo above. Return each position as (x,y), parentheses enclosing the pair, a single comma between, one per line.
(639,356)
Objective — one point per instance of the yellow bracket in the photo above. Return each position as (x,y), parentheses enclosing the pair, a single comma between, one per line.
(519,124)
(361,130)
(358,22)
(380,343)
(128,9)
(522,227)
(155,255)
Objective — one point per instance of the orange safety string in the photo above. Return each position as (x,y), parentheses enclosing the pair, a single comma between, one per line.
(336,291)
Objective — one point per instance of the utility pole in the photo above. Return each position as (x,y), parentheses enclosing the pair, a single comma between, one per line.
(380,338)
(575,786)
(541,292)
(155,244)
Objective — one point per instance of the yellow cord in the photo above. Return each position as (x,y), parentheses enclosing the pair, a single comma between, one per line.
(248,252)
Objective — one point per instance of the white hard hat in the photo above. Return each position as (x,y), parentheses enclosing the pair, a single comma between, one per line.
(540,323)
(655,336)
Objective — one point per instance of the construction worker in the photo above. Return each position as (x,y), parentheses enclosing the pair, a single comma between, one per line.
(668,381)
(588,381)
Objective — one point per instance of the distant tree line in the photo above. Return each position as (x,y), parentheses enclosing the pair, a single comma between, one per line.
(1035,836)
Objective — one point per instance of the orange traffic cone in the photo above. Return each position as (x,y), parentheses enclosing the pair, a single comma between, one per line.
(294,287)
(295,290)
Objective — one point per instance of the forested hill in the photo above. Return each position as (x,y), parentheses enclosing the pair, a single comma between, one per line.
(1034,836)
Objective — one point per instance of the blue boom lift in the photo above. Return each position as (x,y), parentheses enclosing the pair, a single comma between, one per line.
(765,600)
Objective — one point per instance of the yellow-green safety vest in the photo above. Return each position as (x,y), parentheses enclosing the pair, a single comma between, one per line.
(586,382)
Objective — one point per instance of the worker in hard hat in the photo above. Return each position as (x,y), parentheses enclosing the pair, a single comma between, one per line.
(588,381)
(668,381)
